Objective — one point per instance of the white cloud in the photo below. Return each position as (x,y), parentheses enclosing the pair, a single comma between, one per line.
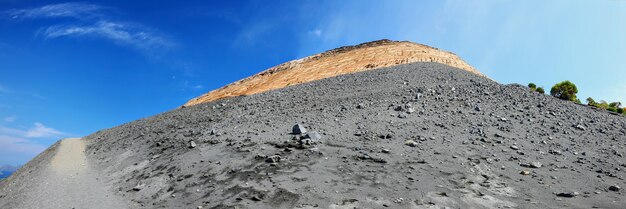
(10,119)
(94,21)
(73,9)
(125,34)
(17,151)
(316,33)
(39,131)
(19,145)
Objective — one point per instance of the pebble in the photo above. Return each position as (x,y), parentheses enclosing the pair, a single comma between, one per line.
(273,159)
(567,194)
(513,147)
(614,188)
(580,127)
(314,136)
(410,143)
(298,129)
(192,144)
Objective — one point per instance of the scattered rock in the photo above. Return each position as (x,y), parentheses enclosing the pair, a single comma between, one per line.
(410,143)
(525,173)
(256,198)
(314,136)
(192,144)
(273,159)
(513,147)
(298,129)
(139,187)
(532,165)
(614,188)
(580,127)
(567,194)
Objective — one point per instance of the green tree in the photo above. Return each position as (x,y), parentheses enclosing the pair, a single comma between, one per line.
(532,86)
(565,90)
(615,104)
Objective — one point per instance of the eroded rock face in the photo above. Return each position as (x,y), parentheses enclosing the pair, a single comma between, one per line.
(343,60)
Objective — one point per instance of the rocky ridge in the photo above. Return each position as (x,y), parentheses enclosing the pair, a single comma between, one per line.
(340,61)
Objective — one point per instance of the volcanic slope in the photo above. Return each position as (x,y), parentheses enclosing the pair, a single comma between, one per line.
(419,135)
(339,61)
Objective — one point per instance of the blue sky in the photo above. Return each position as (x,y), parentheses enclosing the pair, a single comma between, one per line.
(71,68)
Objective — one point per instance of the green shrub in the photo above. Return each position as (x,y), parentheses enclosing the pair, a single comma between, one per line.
(540,90)
(612,109)
(591,102)
(620,110)
(565,90)
(532,86)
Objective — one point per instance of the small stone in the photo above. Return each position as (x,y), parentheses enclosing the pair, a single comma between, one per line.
(298,129)
(513,147)
(580,127)
(314,136)
(536,165)
(410,143)
(256,198)
(273,159)
(567,194)
(385,151)
(477,108)
(192,144)
(360,106)
(402,115)
(614,188)
(139,187)
(418,96)
(525,173)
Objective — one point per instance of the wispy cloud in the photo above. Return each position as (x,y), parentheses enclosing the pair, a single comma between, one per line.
(10,119)
(91,20)
(125,34)
(76,10)
(38,130)
(317,33)
(18,145)
(17,150)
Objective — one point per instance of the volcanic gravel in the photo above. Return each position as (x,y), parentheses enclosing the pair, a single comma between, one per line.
(419,135)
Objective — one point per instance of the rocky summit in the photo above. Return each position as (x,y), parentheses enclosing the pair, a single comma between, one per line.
(412,135)
(339,61)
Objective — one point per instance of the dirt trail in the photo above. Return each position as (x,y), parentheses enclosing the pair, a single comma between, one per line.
(70,182)
(70,159)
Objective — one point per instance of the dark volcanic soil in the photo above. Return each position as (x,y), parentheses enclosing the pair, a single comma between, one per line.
(420,135)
